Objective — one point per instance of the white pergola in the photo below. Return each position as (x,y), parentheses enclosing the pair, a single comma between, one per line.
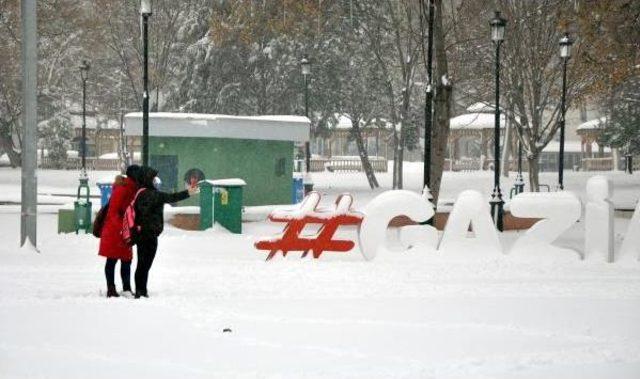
(589,133)
(478,124)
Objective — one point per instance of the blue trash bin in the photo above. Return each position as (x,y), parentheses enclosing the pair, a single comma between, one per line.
(105,193)
(297,194)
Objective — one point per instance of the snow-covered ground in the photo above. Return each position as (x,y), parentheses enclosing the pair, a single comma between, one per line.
(417,314)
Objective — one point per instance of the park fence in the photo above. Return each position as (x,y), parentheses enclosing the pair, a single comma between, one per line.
(92,164)
(346,164)
(597,164)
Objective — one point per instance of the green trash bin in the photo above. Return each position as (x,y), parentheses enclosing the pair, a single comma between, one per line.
(82,207)
(206,205)
(221,202)
(66,221)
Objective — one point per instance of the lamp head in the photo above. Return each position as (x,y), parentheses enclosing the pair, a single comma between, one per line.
(565,46)
(498,24)
(145,8)
(305,65)
(84,68)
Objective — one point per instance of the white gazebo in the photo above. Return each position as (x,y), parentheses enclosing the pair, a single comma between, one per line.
(589,133)
(469,128)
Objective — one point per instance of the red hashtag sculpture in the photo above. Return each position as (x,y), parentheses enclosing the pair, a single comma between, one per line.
(307,213)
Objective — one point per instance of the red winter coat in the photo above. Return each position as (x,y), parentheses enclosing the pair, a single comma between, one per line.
(111,243)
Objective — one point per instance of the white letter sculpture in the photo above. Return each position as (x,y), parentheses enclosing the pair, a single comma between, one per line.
(558,211)
(598,228)
(631,244)
(381,210)
(470,209)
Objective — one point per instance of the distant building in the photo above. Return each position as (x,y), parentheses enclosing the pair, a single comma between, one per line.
(104,135)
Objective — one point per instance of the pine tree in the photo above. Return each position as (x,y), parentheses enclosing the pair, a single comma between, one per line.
(622,129)
(55,135)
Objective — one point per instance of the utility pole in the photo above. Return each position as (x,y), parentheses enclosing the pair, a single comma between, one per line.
(29,208)
(428,105)
(146,12)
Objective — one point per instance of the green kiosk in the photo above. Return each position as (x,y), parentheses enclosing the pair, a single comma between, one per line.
(207,149)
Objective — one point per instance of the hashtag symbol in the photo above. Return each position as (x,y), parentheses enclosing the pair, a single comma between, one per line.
(307,213)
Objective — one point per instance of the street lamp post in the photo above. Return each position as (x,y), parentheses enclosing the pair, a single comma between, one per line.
(428,105)
(519,183)
(145,12)
(428,110)
(84,73)
(82,205)
(306,71)
(497,204)
(565,54)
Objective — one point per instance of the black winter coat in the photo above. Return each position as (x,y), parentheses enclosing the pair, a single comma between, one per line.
(150,203)
(149,210)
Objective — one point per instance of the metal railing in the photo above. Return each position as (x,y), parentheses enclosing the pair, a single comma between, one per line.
(347,164)
(93,164)
(597,164)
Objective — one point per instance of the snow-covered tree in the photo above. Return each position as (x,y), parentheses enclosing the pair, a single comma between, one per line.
(622,129)
(55,135)
(391,29)
(10,92)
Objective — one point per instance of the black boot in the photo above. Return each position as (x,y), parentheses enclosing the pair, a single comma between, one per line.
(141,293)
(111,291)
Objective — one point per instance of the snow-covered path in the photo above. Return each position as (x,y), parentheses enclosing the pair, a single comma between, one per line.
(410,315)
(413,315)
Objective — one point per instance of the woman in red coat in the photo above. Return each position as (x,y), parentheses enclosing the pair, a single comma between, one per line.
(112,246)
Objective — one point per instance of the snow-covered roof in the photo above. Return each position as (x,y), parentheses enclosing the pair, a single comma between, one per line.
(233,182)
(476,121)
(597,123)
(481,107)
(276,128)
(136,155)
(92,122)
(344,122)
(569,147)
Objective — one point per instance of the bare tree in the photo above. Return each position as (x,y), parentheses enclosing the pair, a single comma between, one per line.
(393,35)
(533,70)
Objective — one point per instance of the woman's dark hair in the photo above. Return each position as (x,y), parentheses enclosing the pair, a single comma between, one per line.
(134,172)
(146,176)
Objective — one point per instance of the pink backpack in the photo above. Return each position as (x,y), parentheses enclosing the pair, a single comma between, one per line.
(131,230)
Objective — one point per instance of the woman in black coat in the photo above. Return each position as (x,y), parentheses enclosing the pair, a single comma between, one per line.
(149,208)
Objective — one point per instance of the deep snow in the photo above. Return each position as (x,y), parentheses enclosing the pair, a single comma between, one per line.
(417,314)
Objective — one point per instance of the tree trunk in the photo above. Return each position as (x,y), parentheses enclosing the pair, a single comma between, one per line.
(442,113)
(506,150)
(400,181)
(14,157)
(442,105)
(404,116)
(364,156)
(396,147)
(396,139)
(534,181)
